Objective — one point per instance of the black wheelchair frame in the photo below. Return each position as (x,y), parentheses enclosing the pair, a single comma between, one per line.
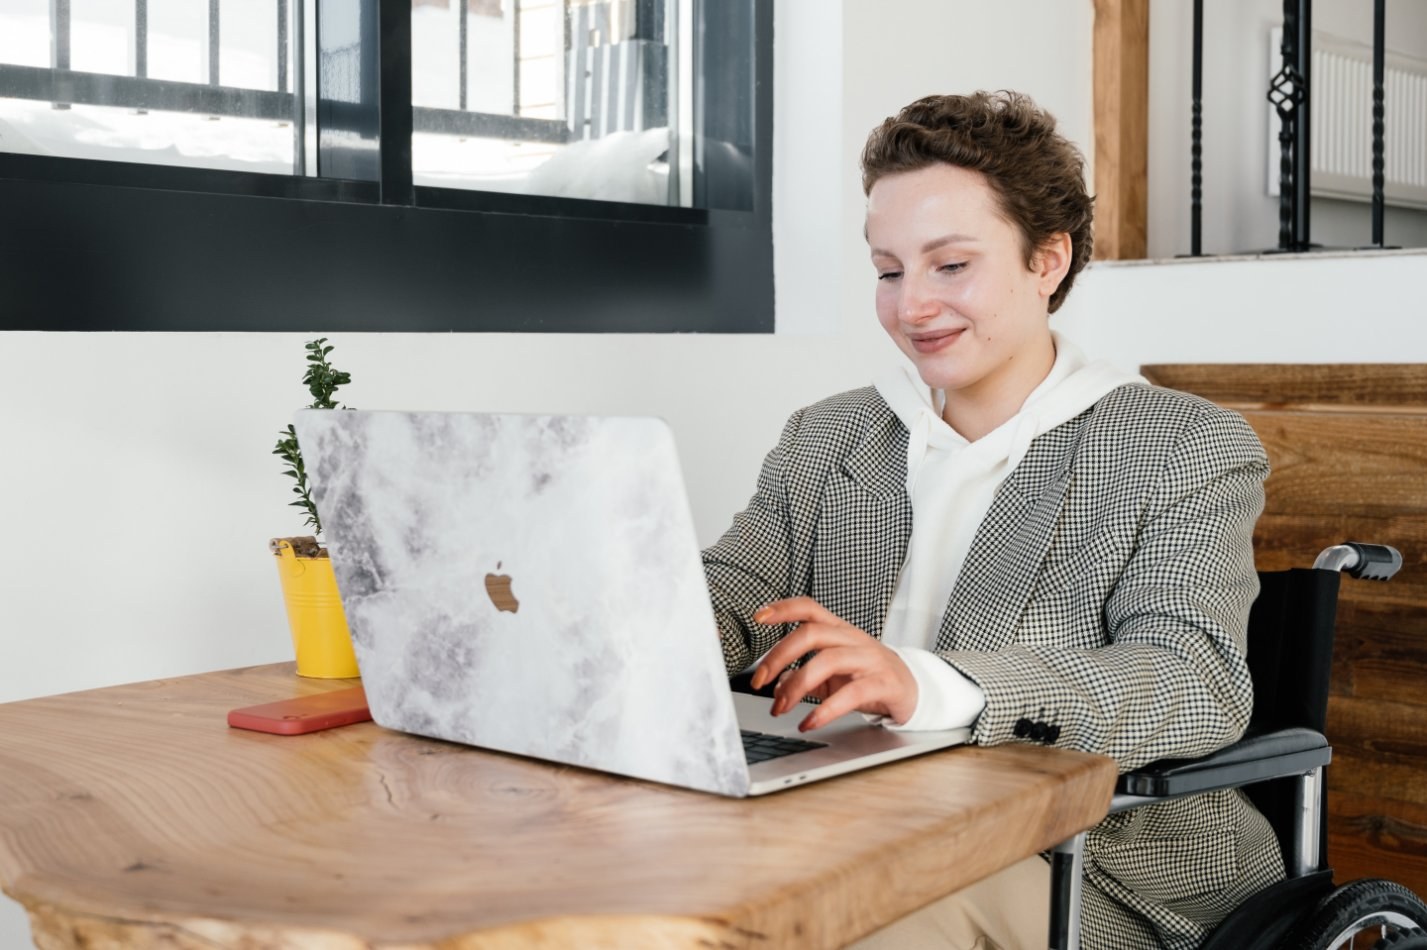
(1279,762)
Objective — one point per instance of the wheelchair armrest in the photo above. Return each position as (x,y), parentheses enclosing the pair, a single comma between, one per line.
(1258,756)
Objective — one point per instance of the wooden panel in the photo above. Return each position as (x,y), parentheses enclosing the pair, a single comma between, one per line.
(1345,464)
(1380,652)
(1121,127)
(159,826)
(1309,385)
(1348,446)
(1380,746)
(1362,842)
(1377,789)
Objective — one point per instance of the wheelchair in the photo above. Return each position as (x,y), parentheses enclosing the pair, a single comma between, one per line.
(1279,762)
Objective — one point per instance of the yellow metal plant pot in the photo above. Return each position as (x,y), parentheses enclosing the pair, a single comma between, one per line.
(319,627)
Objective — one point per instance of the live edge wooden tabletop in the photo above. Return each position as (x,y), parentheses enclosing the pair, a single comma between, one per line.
(133,816)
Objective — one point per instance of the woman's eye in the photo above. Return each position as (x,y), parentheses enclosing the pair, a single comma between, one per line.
(953,268)
(889,275)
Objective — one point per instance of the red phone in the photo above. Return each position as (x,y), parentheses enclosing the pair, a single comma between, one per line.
(293,717)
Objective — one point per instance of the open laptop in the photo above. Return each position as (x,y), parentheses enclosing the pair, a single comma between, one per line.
(532,584)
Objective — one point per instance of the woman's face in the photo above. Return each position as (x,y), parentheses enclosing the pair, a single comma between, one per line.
(953,288)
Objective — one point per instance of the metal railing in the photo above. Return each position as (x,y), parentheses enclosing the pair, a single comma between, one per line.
(1378,111)
(1290,92)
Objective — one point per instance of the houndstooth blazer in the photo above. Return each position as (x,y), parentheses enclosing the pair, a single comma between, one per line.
(1102,606)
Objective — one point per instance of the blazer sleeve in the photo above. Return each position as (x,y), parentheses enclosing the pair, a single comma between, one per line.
(752,564)
(1172,679)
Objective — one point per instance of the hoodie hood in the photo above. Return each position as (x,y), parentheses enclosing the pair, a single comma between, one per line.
(1073,385)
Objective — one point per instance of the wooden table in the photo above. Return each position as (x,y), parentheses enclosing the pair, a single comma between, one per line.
(133,816)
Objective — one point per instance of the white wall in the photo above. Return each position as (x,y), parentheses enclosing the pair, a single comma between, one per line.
(136,489)
(1239,215)
(1362,308)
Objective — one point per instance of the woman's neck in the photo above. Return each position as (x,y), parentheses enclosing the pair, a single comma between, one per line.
(980,409)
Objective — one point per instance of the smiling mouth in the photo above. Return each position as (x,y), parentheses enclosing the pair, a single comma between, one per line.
(931,342)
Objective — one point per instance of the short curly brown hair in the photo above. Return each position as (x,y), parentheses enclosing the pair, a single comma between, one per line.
(1037,174)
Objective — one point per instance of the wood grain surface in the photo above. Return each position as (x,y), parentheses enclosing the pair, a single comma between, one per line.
(1121,103)
(1348,446)
(133,816)
(1309,387)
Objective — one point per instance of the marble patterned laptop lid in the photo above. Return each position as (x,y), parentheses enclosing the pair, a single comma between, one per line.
(529,584)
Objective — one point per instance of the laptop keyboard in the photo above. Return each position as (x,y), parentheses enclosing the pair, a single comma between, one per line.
(760,746)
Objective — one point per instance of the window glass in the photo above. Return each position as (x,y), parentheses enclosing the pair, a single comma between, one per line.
(145,87)
(25,32)
(178,40)
(249,35)
(101,37)
(571,98)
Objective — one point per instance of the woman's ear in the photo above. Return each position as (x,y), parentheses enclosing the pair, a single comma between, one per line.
(1052,263)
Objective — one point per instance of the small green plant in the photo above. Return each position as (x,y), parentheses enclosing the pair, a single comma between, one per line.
(322,380)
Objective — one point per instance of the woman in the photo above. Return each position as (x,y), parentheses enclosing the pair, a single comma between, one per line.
(1011,537)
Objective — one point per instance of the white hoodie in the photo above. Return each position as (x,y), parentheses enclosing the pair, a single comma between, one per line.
(951,483)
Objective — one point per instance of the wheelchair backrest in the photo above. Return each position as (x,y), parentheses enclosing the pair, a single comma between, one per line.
(1290,638)
(1291,647)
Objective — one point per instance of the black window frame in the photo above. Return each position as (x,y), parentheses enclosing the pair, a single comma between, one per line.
(102,245)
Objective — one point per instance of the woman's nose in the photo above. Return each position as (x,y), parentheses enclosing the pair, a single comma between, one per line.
(917,301)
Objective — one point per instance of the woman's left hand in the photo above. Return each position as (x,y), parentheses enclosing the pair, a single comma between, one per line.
(851,671)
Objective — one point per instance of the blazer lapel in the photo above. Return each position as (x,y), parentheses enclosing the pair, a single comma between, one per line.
(865,527)
(1006,554)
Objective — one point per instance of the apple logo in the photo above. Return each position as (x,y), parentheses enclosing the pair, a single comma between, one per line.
(498,589)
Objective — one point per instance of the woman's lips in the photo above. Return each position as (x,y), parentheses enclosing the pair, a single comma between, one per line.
(932,342)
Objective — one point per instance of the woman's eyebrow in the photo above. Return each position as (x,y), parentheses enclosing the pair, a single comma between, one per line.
(935,243)
(929,246)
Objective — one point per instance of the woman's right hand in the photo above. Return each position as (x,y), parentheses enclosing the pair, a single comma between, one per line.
(850,671)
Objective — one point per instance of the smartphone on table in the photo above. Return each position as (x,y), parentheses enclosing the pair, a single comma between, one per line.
(292,717)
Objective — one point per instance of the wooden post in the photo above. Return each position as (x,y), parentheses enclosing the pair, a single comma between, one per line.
(1121,127)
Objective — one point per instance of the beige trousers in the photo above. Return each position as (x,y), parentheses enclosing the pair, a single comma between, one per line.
(1009,910)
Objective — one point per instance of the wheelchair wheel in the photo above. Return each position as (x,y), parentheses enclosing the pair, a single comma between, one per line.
(1363,915)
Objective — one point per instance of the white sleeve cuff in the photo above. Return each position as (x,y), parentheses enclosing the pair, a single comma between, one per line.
(945,698)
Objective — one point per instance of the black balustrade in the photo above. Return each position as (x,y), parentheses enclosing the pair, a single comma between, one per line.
(1379,111)
(1196,148)
(1290,92)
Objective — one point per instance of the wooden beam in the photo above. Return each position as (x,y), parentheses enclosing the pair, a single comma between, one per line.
(1121,127)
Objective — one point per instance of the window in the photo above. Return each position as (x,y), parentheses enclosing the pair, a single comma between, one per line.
(568,165)
(570,98)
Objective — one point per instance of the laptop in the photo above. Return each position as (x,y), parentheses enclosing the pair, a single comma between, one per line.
(532,584)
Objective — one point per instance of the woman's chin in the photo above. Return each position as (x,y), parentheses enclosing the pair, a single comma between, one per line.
(937,375)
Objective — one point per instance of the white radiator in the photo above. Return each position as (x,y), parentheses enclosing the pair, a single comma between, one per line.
(1342,124)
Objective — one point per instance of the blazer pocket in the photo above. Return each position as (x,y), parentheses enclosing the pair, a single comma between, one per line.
(1094,565)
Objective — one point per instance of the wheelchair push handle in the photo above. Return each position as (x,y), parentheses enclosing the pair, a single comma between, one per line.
(1374,562)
